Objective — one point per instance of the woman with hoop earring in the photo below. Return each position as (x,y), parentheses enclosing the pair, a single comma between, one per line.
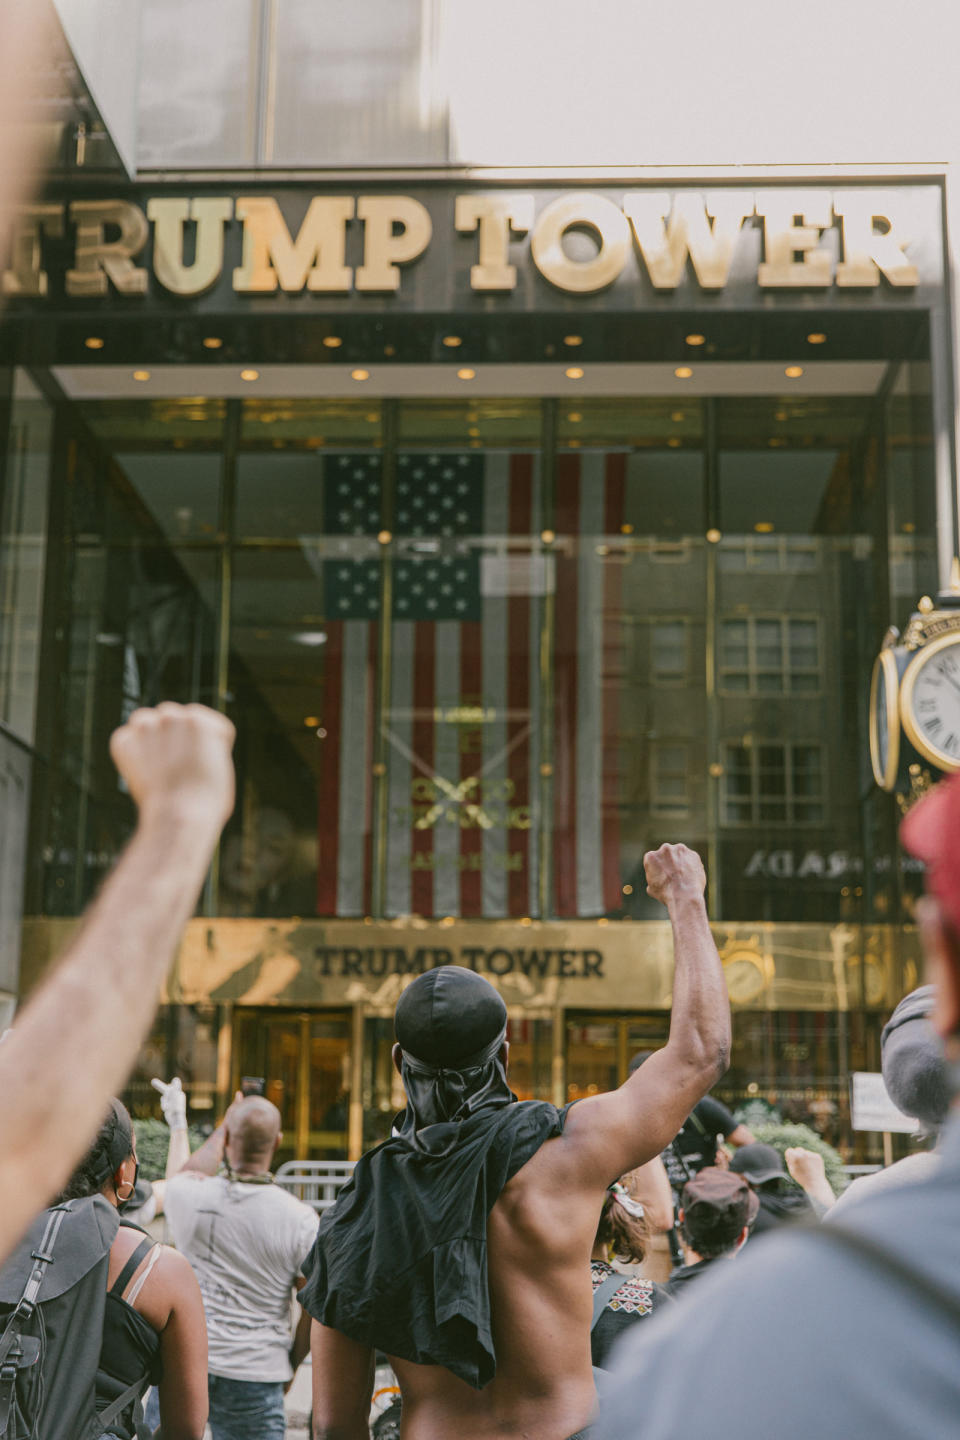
(154,1325)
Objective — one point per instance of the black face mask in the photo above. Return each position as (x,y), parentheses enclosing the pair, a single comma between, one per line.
(125,1204)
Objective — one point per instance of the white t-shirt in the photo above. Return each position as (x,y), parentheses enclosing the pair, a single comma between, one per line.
(246,1244)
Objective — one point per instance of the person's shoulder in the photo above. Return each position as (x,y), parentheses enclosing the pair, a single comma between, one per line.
(185,1186)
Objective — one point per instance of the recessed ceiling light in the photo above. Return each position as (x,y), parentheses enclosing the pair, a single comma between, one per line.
(817,338)
(389,349)
(93,342)
(573,339)
(311,721)
(141,374)
(626,529)
(677,416)
(780,415)
(574,417)
(683,372)
(359,374)
(311,638)
(466,374)
(547,536)
(212,342)
(793,372)
(696,339)
(452,341)
(574,444)
(473,432)
(628,889)
(332,342)
(249,374)
(574,373)
(714,536)
(373,417)
(763,527)
(384,537)
(674,442)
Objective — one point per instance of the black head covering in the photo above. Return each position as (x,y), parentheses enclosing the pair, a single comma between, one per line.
(400,1261)
(450,1025)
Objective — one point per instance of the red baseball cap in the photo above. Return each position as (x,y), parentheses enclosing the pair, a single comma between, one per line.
(931,831)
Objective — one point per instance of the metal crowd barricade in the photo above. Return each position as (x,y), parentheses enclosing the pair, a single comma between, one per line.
(316,1182)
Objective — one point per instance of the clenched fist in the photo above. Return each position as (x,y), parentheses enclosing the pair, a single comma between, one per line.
(176,758)
(674,873)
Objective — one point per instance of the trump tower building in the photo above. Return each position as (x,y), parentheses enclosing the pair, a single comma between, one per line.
(521,519)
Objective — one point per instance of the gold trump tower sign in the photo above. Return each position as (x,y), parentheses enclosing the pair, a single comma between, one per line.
(580,243)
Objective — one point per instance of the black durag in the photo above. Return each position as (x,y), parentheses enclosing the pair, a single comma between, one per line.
(400,1261)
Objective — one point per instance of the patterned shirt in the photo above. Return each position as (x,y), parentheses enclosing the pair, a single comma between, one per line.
(634,1300)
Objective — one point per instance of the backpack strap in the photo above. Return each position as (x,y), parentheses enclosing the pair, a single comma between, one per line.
(16,1349)
(114,1410)
(133,1264)
(877,1254)
(604,1293)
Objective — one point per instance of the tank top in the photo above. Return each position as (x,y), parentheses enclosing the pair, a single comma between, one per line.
(130,1350)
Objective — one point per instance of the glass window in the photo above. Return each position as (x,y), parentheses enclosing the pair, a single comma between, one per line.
(669,651)
(668,779)
(769,655)
(776,783)
(23,546)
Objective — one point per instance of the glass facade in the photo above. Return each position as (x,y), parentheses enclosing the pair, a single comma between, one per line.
(482,651)
(481,657)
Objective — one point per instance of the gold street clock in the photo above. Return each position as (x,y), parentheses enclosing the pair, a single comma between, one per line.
(930,701)
(885,716)
(914,713)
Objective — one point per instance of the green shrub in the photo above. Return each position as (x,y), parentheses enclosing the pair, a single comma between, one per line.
(153,1141)
(783,1136)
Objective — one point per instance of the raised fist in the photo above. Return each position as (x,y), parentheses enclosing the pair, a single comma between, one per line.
(177,758)
(674,872)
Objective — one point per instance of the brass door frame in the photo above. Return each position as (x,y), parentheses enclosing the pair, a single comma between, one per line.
(303,1135)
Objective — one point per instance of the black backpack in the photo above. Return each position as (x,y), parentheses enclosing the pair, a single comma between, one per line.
(53,1291)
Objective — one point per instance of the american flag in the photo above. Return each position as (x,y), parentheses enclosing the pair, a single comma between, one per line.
(463,722)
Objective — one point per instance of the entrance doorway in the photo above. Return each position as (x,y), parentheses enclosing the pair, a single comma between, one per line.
(601,1046)
(304,1062)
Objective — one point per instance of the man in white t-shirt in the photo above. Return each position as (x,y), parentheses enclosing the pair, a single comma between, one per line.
(246,1240)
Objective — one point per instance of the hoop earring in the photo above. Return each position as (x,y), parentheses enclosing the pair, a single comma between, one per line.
(119,1187)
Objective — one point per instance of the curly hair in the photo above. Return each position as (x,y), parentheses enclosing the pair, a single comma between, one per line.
(622,1234)
(113,1145)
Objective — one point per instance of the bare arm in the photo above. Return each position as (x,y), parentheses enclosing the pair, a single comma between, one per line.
(649,1184)
(78,1036)
(300,1348)
(208,1157)
(741,1136)
(183,1351)
(610,1134)
(342,1385)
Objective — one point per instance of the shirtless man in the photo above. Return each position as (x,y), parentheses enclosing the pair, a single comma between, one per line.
(394,1269)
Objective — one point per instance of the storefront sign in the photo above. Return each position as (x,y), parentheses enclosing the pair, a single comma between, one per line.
(537,966)
(580,243)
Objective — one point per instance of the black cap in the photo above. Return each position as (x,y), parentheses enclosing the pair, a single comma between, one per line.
(449,1016)
(757,1163)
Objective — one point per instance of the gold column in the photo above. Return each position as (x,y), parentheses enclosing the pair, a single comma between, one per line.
(355,1122)
(303,1091)
(381,708)
(558,1065)
(225,1076)
(548,452)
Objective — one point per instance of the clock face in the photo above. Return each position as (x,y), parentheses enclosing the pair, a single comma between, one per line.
(930,702)
(884,721)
